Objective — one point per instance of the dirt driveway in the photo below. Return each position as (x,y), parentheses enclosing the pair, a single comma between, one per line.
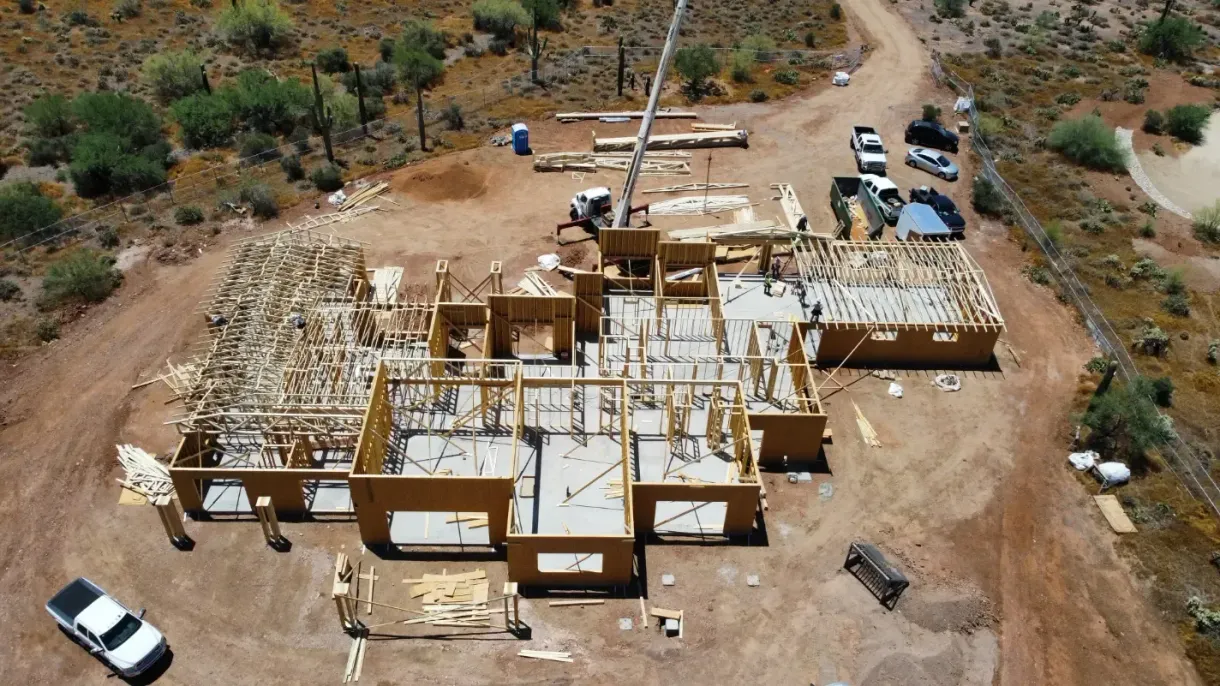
(1015,578)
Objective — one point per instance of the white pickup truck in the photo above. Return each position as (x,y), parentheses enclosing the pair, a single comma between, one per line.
(870,151)
(122,640)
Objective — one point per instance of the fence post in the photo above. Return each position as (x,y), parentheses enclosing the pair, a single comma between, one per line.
(621,65)
(364,117)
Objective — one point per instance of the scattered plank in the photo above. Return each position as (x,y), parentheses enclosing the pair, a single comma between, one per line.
(546,655)
(713,127)
(569,603)
(866,428)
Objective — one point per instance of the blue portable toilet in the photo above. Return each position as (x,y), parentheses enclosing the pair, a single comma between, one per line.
(521,139)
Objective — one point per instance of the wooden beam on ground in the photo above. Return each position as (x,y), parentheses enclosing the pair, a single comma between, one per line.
(677,141)
(586,116)
(568,603)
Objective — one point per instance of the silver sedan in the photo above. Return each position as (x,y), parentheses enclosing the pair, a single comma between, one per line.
(932,162)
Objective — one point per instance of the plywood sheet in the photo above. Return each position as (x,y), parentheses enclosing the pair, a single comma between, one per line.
(1112,510)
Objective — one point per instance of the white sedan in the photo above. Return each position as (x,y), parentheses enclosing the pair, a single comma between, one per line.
(932,162)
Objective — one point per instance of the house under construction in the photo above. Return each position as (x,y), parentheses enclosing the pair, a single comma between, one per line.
(556,428)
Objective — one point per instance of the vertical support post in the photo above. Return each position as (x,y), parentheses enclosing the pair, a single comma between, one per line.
(268,521)
(171,518)
(621,65)
(364,117)
(497,278)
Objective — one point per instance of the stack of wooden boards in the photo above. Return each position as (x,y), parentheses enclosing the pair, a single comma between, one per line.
(457,600)
(653,165)
(552,655)
(363,195)
(675,141)
(535,285)
(569,117)
(698,205)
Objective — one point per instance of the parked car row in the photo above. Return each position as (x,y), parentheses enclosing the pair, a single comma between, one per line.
(876,201)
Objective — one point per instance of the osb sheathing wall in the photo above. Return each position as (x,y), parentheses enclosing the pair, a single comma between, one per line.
(618,554)
(795,436)
(588,287)
(740,499)
(375,497)
(528,310)
(907,347)
(633,245)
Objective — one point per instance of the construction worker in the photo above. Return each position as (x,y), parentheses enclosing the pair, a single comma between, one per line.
(817,312)
(802,224)
(767,284)
(775,269)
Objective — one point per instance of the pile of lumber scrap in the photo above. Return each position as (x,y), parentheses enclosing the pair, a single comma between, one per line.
(452,599)
(310,222)
(535,285)
(713,127)
(178,378)
(710,204)
(567,117)
(144,474)
(364,195)
(676,141)
(747,230)
(355,658)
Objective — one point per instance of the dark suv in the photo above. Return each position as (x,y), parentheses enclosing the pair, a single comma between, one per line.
(944,207)
(931,134)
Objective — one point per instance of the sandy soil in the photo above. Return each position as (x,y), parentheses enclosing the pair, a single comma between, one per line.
(1191,179)
(1015,577)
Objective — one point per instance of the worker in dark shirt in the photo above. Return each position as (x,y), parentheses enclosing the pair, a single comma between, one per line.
(817,311)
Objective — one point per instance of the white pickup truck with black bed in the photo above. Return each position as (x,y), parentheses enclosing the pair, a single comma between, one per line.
(869,150)
(108,630)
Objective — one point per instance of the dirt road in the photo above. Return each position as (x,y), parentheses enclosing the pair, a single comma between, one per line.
(1015,579)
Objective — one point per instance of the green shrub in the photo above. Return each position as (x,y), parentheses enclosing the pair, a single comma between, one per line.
(1177,304)
(261,200)
(188,215)
(758,95)
(120,114)
(1124,421)
(1206,224)
(696,64)
(47,330)
(83,276)
(333,60)
(1174,39)
(127,9)
(836,12)
(267,104)
(1037,274)
(291,164)
(79,17)
(207,121)
(1148,229)
(327,178)
(377,82)
(931,112)
(102,163)
(26,6)
(1054,232)
(788,77)
(1159,389)
(1089,142)
(500,18)
(9,290)
(994,47)
(49,116)
(255,25)
(1154,122)
(25,210)
(1213,351)
(452,115)
(426,37)
(48,151)
(173,75)
(1187,122)
(741,63)
(758,46)
(810,40)
(1068,99)
(951,9)
(258,147)
(986,198)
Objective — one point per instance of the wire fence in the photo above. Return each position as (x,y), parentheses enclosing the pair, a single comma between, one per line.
(1191,472)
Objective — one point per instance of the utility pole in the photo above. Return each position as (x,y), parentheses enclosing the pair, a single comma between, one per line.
(621,55)
(623,212)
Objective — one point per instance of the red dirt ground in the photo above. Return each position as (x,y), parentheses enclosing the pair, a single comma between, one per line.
(1015,576)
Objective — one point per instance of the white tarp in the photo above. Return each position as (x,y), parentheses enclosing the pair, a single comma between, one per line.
(1113,473)
(895,390)
(841,78)
(1083,461)
(337,198)
(548,262)
(962,105)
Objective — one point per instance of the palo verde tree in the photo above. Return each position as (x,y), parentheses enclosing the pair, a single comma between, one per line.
(543,13)
(417,70)
(696,64)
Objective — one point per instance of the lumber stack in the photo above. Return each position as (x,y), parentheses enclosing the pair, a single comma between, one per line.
(143,474)
(765,229)
(535,285)
(710,204)
(364,195)
(713,127)
(692,187)
(589,162)
(552,655)
(677,141)
(568,117)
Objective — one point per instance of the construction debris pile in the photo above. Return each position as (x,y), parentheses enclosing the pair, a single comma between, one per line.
(654,165)
(144,474)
